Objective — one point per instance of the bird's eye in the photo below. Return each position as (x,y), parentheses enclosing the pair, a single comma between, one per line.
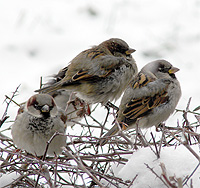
(163,69)
(50,108)
(36,106)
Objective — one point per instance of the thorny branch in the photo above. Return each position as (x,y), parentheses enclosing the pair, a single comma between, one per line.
(159,177)
(83,163)
(45,168)
(5,116)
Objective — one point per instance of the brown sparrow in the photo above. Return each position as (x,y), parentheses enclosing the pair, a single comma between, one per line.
(36,123)
(98,74)
(149,99)
(73,107)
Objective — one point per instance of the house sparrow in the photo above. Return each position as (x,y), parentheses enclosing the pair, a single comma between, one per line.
(149,99)
(36,123)
(73,107)
(98,74)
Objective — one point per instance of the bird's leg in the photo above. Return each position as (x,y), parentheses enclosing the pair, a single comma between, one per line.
(102,127)
(80,106)
(88,111)
(139,135)
(111,105)
(70,101)
(160,127)
(135,144)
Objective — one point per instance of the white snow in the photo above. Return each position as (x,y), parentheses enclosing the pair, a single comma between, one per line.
(179,162)
(38,38)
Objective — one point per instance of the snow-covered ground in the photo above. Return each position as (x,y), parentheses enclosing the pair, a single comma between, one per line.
(179,163)
(38,38)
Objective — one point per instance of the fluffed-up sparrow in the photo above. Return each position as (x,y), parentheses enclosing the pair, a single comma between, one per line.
(36,123)
(149,99)
(99,74)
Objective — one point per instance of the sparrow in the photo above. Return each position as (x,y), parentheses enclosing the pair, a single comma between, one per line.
(73,107)
(149,99)
(36,123)
(99,74)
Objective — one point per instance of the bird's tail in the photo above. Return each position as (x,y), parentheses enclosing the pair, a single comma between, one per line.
(111,132)
(49,89)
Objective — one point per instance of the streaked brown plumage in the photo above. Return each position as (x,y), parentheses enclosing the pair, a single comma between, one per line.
(98,74)
(149,99)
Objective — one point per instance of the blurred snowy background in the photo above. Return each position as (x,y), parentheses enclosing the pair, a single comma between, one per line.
(38,38)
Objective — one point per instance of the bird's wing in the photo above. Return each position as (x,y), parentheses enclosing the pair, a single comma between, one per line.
(93,66)
(138,107)
(100,67)
(61,74)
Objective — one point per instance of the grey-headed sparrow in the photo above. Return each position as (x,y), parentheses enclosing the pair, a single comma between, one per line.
(36,123)
(99,74)
(149,99)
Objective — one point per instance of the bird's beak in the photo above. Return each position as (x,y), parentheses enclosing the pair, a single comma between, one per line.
(130,51)
(45,108)
(173,70)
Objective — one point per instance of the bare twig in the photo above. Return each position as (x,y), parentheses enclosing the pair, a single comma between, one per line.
(187,179)
(45,153)
(84,163)
(157,152)
(164,174)
(5,117)
(45,173)
(82,167)
(131,183)
(151,169)
(120,132)
(187,146)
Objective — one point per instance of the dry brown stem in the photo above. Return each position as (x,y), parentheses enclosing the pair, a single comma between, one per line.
(83,163)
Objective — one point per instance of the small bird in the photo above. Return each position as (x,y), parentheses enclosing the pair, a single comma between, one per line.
(99,74)
(149,99)
(73,107)
(36,123)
